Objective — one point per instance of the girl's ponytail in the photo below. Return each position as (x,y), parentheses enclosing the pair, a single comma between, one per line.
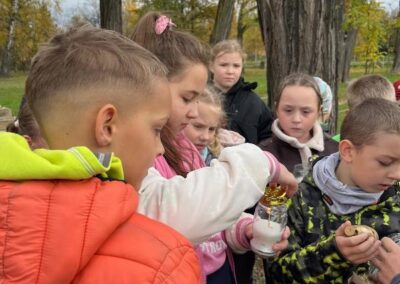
(176,49)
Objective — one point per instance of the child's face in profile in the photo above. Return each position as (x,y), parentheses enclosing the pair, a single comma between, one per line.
(201,130)
(374,168)
(184,91)
(138,140)
(297,111)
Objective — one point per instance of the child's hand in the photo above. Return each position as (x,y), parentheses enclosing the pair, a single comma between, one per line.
(283,243)
(287,180)
(357,249)
(387,261)
(248,231)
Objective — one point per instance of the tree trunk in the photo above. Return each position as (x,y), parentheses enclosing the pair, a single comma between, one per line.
(6,60)
(244,11)
(302,36)
(241,27)
(223,21)
(349,44)
(396,61)
(111,15)
(262,20)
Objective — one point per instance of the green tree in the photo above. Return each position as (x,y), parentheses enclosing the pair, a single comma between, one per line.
(130,16)
(195,16)
(253,44)
(351,25)
(247,17)
(33,26)
(396,61)
(372,34)
(6,58)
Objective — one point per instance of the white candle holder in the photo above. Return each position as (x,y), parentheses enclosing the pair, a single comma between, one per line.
(270,218)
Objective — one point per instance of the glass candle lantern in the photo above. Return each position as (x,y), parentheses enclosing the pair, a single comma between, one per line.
(270,219)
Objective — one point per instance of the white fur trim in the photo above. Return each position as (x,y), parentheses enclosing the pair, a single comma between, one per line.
(316,142)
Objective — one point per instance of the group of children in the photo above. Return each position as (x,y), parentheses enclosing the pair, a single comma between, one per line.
(118,129)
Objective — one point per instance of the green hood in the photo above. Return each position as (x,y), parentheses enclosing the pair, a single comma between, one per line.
(19,162)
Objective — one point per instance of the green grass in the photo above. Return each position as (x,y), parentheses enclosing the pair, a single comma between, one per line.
(257,75)
(12,88)
(11,91)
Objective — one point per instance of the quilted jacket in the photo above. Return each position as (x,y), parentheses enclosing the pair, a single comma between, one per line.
(80,229)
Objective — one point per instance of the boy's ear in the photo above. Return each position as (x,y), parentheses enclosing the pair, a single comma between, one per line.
(105,125)
(346,150)
(211,67)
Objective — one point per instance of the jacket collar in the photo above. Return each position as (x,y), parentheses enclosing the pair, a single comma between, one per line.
(241,85)
(19,162)
(316,142)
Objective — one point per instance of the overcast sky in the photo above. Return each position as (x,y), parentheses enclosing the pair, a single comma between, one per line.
(72,7)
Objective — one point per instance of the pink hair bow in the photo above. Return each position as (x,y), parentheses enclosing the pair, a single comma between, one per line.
(162,23)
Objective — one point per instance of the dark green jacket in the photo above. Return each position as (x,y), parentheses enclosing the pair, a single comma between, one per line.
(312,256)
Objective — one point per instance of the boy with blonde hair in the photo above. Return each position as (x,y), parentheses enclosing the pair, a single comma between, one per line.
(367,87)
(68,216)
(354,186)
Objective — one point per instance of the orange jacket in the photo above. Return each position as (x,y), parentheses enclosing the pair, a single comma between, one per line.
(86,232)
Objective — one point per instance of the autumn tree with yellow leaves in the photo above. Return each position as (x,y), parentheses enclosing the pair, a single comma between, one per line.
(24,24)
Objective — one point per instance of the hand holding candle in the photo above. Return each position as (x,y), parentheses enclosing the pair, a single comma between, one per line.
(270,219)
(287,180)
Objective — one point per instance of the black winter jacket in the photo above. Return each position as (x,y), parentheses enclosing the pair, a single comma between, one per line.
(247,114)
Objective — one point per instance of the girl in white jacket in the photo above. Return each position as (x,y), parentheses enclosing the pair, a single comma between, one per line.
(206,201)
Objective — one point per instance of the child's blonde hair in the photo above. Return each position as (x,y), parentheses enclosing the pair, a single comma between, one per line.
(227,46)
(366,121)
(369,86)
(87,58)
(211,98)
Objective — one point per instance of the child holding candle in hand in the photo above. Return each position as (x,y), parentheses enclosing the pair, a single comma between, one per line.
(180,185)
(357,185)
(202,131)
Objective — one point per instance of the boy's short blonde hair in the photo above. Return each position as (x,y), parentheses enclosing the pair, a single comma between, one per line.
(88,58)
(366,121)
(369,86)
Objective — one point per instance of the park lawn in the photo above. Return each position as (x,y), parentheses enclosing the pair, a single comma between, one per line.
(12,88)
(11,91)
